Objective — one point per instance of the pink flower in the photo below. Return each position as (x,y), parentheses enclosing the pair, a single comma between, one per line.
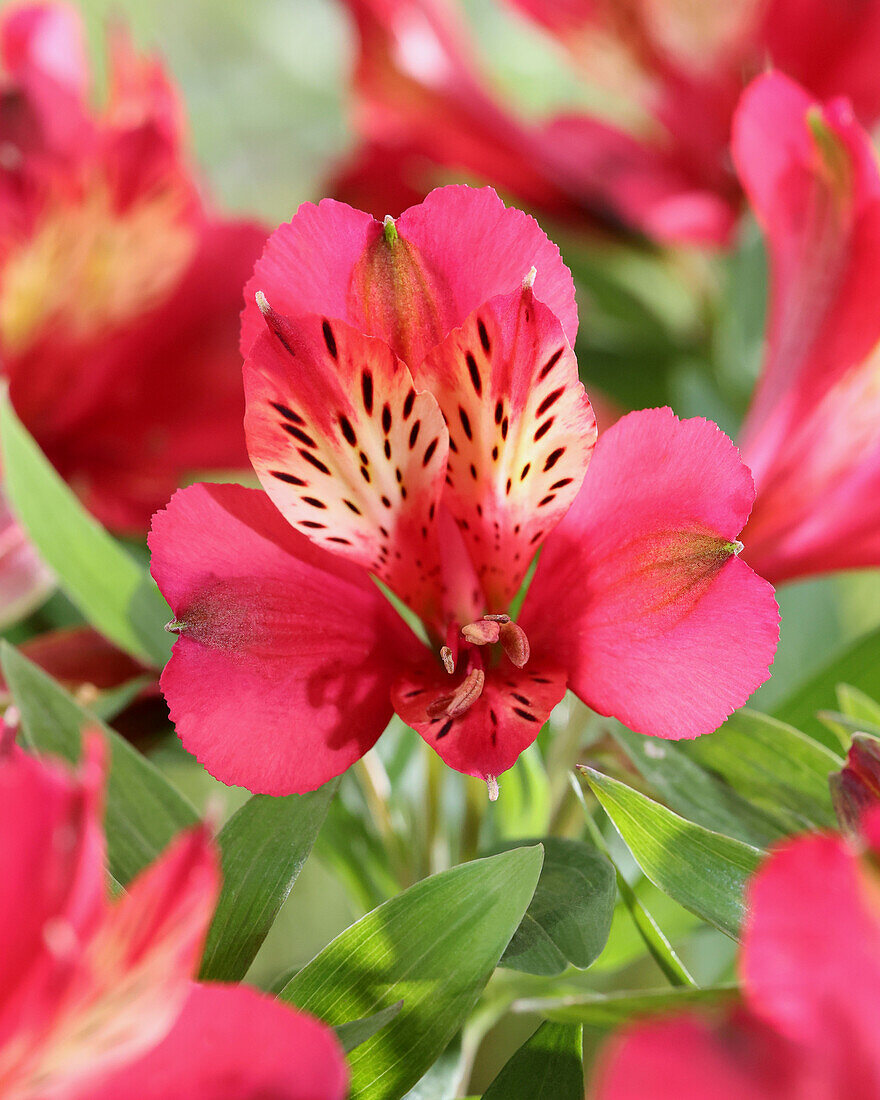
(812,436)
(673,71)
(810,972)
(96,998)
(120,286)
(414,413)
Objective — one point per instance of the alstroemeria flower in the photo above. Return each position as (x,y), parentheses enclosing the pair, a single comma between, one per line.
(812,436)
(97,1000)
(414,413)
(658,164)
(810,973)
(120,287)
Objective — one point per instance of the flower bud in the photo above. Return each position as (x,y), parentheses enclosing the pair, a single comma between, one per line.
(856,787)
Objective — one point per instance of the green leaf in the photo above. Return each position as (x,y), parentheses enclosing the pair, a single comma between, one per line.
(692,791)
(440,1082)
(550,1066)
(569,917)
(610,1010)
(114,593)
(858,664)
(782,772)
(434,946)
(144,812)
(263,846)
(355,1032)
(700,869)
(857,705)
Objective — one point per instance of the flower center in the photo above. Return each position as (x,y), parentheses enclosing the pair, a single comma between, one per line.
(490,630)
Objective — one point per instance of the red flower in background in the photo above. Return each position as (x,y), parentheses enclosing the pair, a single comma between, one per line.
(96,998)
(414,412)
(812,436)
(120,287)
(810,971)
(678,70)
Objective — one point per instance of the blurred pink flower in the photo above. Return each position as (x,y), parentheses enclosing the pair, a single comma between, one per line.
(120,286)
(812,436)
(677,69)
(414,412)
(96,997)
(810,973)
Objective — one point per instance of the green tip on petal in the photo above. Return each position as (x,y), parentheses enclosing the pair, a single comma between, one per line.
(390,229)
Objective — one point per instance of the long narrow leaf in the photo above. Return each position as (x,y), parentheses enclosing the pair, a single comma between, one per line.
(434,947)
(550,1066)
(264,846)
(701,870)
(114,593)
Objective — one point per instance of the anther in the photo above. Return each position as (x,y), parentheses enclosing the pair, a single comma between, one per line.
(263,302)
(529,280)
(389,229)
(515,644)
(482,632)
(497,618)
(462,699)
(445,656)
(492,786)
(175,627)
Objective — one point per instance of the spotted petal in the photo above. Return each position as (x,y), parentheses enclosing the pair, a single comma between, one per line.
(352,456)
(487,738)
(521,432)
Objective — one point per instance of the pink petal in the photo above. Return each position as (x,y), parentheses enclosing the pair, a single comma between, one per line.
(828,47)
(233,1043)
(687,1058)
(51,866)
(812,969)
(521,433)
(351,455)
(662,626)
(135,969)
(280,678)
(137,438)
(643,186)
(43,52)
(488,738)
(25,581)
(334,261)
(816,198)
(47,37)
(819,505)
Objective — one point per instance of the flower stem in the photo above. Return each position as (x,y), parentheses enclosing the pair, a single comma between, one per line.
(376,787)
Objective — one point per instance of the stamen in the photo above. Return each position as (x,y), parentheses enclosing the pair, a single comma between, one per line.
(263,303)
(175,626)
(515,644)
(464,697)
(529,280)
(497,618)
(445,656)
(389,229)
(468,693)
(482,632)
(492,785)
